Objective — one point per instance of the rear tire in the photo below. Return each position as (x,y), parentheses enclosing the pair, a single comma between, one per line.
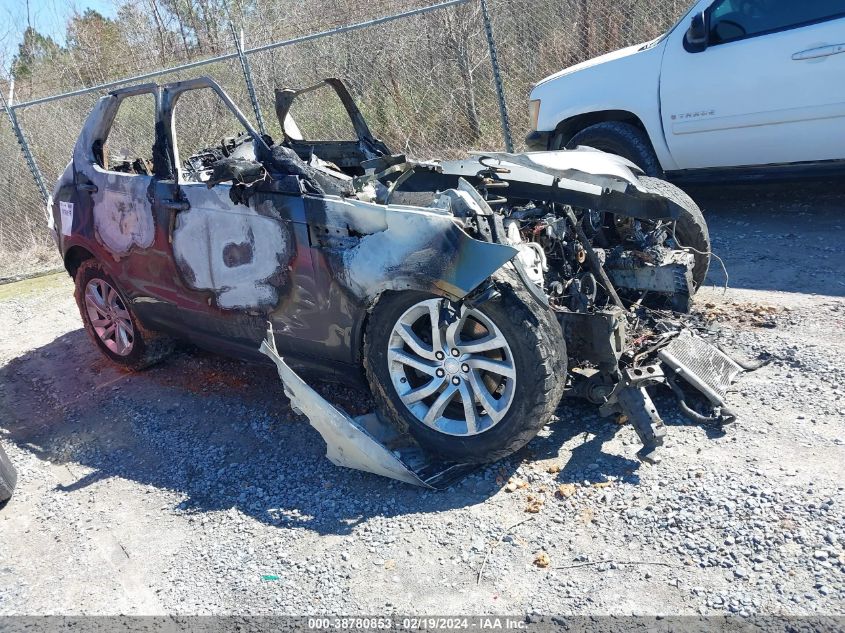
(110,322)
(535,349)
(622,139)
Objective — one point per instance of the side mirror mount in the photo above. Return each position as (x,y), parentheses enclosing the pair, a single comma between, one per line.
(698,34)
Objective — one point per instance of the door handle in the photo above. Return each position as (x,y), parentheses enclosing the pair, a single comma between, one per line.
(89,187)
(176,205)
(820,51)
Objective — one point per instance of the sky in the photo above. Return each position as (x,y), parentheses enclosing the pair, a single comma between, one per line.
(47,16)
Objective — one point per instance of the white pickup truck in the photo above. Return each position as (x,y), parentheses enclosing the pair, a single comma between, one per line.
(737,89)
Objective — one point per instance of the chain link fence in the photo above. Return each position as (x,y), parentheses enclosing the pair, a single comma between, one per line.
(420,72)
(423,83)
(25,245)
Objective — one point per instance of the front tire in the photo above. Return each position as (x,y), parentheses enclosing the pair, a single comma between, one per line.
(486,399)
(622,139)
(690,227)
(110,322)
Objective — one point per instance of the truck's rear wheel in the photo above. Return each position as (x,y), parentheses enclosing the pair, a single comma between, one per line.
(8,477)
(471,385)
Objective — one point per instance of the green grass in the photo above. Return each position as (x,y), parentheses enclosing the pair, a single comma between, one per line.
(33,285)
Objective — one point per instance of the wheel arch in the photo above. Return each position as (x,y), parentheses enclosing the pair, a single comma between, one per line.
(74,256)
(531,334)
(359,330)
(569,127)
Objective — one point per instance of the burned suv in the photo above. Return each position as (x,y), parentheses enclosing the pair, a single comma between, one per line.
(468,294)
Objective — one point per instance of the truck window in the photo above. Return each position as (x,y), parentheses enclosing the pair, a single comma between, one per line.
(732,20)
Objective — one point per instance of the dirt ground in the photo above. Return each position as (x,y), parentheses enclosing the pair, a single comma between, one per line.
(192,488)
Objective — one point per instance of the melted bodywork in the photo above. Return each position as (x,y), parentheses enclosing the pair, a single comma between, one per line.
(372,248)
(365,442)
(238,254)
(308,235)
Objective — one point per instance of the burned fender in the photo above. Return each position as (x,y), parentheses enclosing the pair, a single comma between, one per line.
(374,248)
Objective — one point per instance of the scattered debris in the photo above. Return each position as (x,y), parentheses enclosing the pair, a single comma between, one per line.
(535,504)
(610,563)
(542,560)
(564,491)
(756,315)
(515,484)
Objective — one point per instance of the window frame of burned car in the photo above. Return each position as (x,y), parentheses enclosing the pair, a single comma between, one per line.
(171,94)
(348,154)
(99,147)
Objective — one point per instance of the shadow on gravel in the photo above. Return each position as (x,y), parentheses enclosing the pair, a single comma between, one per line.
(786,236)
(587,461)
(220,434)
(217,433)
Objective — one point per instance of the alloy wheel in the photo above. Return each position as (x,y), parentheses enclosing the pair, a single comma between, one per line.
(109,317)
(453,370)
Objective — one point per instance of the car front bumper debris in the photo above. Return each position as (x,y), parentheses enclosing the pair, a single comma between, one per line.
(365,442)
(371,444)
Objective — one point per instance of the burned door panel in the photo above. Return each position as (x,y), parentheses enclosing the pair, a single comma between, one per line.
(235,252)
(115,216)
(232,255)
(123,216)
(114,167)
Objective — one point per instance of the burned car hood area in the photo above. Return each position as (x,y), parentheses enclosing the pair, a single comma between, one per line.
(322,239)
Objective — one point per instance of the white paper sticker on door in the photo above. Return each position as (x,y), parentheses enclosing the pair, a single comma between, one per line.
(66,210)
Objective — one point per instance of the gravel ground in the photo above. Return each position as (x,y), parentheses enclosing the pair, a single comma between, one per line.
(192,488)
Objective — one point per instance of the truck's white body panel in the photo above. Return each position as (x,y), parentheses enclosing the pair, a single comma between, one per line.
(767,99)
